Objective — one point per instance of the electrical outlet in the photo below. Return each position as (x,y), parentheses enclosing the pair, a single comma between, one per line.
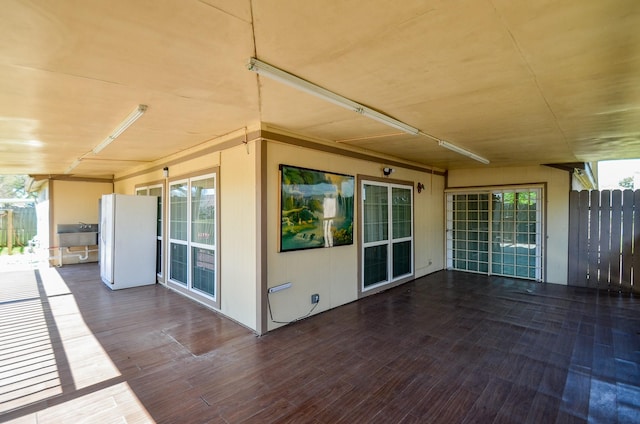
(315,298)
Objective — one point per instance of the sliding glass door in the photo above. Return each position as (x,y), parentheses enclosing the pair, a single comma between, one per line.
(468,245)
(178,224)
(496,232)
(517,234)
(192,235)
(387,233)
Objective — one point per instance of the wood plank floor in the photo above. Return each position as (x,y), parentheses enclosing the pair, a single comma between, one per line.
(447,348)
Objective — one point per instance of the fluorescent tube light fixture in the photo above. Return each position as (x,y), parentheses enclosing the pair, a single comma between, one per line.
(296,82)
(278,288)
(129,120)
(291,80)
(72,166)
(462,151)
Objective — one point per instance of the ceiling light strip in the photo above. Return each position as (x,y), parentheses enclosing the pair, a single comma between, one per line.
(455,148)
(462,151)
(296,82)
(291,80)
(72,166)
(129,120)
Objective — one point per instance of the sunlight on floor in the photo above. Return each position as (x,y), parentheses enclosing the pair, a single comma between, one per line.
(52,282)
(21,262)
(28,371)
(88,362)
(114,404)
(48,351)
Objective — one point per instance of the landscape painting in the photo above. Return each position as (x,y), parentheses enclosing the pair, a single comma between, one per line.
(316,209)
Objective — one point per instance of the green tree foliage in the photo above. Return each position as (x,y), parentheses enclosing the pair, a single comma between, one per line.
(302,177)
(13,187)
(626,183)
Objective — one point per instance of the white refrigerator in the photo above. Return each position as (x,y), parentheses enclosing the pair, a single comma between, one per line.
(128,239)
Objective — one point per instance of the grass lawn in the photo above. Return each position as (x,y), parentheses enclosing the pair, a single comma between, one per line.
(18,250)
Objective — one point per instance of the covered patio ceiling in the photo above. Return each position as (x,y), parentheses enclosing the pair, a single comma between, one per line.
(519,83)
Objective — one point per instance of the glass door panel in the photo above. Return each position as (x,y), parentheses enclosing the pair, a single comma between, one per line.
(468,232)
(402,219)
(375,265)
(203,211)
(192,235)
(375,206)
(178,219)
(501,237)
(402,212)
(178,266)
(178,212)
(387,233)
(203,233)
(401,258)
(203,270)
(516,234)
(376,209)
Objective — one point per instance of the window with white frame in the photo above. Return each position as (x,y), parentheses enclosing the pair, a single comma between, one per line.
(158,191)
(387,233)
(497,231)
(192,235)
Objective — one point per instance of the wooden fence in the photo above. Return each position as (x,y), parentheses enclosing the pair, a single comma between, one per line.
(604,240)
(17,226)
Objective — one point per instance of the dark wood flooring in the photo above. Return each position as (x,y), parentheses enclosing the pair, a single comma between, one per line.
(447,348)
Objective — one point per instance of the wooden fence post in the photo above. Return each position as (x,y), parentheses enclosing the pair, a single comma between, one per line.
(604,240)
(10,231)
(627,240)
(574,243)
(635,284)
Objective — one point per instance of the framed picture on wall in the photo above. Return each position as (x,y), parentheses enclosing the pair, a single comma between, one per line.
(316,208)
